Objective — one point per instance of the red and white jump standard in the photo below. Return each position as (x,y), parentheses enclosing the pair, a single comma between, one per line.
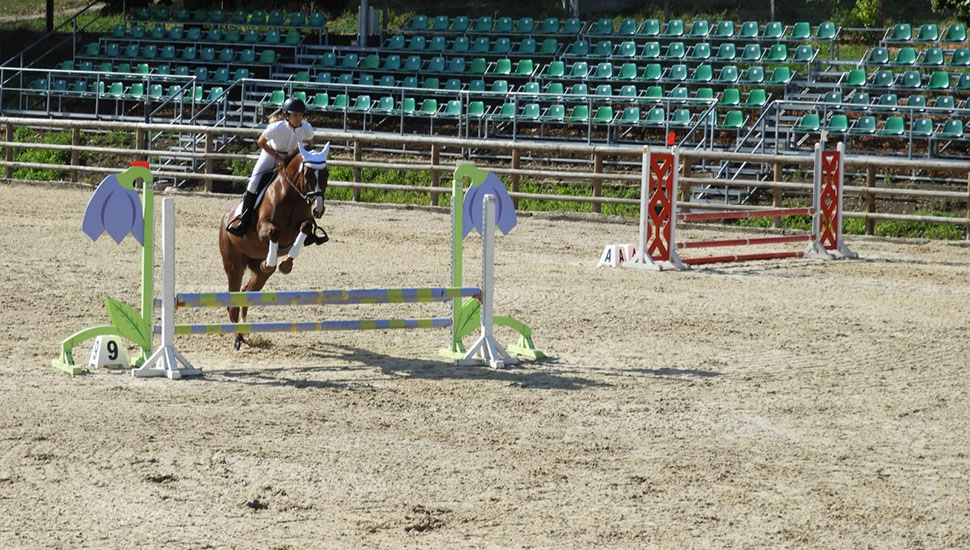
(658,247)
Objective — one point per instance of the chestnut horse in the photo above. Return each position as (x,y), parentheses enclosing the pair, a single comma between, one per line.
(284,223)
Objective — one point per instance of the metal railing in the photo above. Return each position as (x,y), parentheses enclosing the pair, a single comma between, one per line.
(586,167)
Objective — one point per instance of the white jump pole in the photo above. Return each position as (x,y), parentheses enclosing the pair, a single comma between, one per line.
(486,349)
(166,357)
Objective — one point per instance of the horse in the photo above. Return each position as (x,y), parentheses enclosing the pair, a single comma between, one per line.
(285,221)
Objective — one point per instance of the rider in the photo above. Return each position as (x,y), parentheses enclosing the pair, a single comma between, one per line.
(279,143)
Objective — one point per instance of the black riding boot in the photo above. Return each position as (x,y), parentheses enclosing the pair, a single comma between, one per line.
(248,210)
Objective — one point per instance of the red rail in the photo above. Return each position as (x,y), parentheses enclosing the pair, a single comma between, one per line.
(739,214)
(745,242)
(743,257)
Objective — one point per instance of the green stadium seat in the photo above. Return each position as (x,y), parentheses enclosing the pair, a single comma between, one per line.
(932,57)
(603,27)
(438,44)
(960,58)
(905,56)
(181,15)
(258,18)
(628,27)
(603,91)
(149,51)
(556,113)
(142,68)
(651,51)
(809,123)
(928,32)
(231,36)
(193,34)
(733,120)
(501,67)
(578,91)
(730,97)
(751,54)
(860,100)
(781,76)
(501,46)
(749,30)
(917,102)
(476,110)
(755,74)
(549,47)
(757,98)
(826,31)
(418,24)
(365,79)
(478,66)
(700,29)
(552,70)
(864,126)
(292,38)
(579,70)
(417,44)
(723,30)
(603,71)
(505,113)
(459,45)
(452,109)
(801,31)
(630,116)
(627,49)
(604,48)
(727,52)
(554,90)
(649,29)
(893,126)
(460,24)
(901,32)
(773,30)
(604,115)
(500,87)
(804,54)
(362,104)
(678,73)
(483,24)
(702,74)
(939,80)
(956,32)
(680,94)
(681,118)
(837,124)
(700,52)
(440,23)
(578,115)
(207,55)
(952,129)
(527,46)
(944,102)
(530,113)
(963,84)
(524,68)
(854,78)
(349,61)
(653,94)
(653,72)
(340,103)
(628,71)
(431,83)
(525,25)
(656,116)
(886,102)
(729,74)
(275,18)
(503,25)
(674,28)
(922,128)
(156,92)
(777,53)
(911,79)
(226,55)
(266,57)
(675,50)
(550,25)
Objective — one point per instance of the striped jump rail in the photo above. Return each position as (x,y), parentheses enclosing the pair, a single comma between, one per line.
(744,214)
(322,297)
(308,326)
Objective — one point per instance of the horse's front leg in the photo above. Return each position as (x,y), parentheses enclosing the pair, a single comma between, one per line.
(305,231)
(271,234)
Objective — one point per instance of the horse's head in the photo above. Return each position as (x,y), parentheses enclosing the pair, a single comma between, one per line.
(315,176)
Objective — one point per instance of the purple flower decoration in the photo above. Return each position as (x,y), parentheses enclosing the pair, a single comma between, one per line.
(505,218)
(114,208)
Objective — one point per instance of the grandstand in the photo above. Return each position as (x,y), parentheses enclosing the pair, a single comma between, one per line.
(712,84)
(738,86)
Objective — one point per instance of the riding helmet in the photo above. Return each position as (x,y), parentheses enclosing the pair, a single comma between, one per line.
(294,105)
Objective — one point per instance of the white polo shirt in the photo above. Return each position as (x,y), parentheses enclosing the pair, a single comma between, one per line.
(285,138)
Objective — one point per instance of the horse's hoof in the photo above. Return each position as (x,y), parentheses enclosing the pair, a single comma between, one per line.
(286,266)
(266,268)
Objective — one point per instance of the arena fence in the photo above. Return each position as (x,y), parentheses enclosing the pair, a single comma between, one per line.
(880,185)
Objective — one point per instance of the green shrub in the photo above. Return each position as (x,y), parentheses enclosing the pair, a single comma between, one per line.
(41,156)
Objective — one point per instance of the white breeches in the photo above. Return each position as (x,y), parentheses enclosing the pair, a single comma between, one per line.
(264,163)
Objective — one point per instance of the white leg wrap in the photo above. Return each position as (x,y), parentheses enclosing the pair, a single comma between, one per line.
(271,256)
(297,246)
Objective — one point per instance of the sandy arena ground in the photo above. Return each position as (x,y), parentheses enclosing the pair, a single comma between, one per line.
(779,404)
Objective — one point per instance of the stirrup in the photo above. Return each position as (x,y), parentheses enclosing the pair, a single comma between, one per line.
(237,230)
